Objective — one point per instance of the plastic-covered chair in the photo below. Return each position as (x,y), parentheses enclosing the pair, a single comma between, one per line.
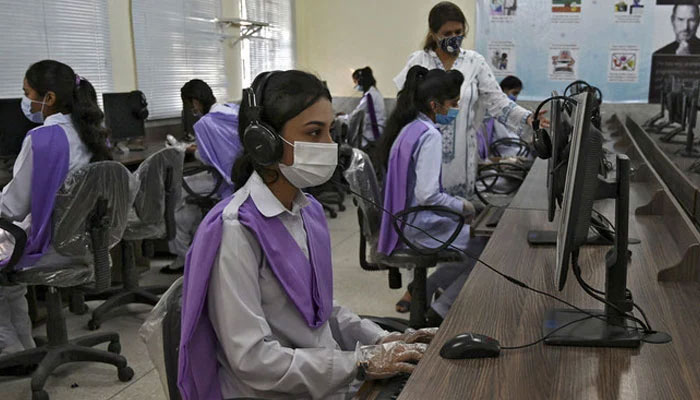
(361,178)
(152,217)
(355,128)
(89,218)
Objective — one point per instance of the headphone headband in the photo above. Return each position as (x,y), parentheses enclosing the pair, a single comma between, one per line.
(259,139)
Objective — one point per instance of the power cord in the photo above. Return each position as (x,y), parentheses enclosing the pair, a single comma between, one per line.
(503,275)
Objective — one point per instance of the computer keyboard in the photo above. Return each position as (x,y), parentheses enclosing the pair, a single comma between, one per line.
(495,217)
(391,388)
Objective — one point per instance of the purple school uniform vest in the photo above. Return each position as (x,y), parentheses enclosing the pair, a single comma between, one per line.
(396,187)
(219,145)
(307,282)
(372,116)
(485,137)
(50,153)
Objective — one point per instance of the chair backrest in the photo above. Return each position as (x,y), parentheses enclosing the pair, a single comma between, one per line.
(362,179)
(103,185)
(160,178)
(355,128)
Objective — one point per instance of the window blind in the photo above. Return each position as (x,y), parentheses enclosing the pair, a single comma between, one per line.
(175,41)
(75,32)
(273,48)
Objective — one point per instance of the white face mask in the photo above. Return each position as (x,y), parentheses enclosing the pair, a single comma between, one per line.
(36,117)
(314,164)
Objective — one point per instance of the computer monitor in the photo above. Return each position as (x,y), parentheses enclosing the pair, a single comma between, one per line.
(125,115)
(14,126)
(601,328)
(560,132)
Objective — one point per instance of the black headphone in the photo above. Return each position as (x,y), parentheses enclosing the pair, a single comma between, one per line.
(541,140)
(139,105)
(260,140)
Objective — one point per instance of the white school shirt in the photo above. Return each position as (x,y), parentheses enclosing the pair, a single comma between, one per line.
(378,101)
(15,202)
(265,347)
(460,151)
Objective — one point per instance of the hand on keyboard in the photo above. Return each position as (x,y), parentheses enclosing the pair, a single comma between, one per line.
(389,359)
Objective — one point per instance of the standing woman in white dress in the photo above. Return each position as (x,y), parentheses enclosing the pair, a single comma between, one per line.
(442,49)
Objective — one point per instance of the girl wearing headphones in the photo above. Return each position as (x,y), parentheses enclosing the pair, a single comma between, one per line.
(372,104)
(72,136)
(258,316)
(412,153)
(217,146)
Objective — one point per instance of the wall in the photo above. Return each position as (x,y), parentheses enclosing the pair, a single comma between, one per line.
(336,36)
(122,44)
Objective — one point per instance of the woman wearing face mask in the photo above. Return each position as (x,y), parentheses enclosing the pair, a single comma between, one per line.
(258,317)
(217,146)
(372,104)
(442,50)
(493,129)
(413,142)
(72,135)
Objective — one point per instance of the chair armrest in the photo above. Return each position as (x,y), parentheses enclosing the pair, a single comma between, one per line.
(20,242)
(195,170)
(423,250)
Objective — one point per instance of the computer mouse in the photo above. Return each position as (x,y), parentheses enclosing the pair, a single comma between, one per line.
(470,345)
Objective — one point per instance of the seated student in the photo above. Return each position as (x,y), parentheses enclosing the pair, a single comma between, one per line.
(372,103)
(217,145)
(493,129)
(72,135)
(258,316)
(412,151)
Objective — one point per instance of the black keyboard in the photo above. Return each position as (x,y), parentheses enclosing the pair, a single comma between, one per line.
(391,388)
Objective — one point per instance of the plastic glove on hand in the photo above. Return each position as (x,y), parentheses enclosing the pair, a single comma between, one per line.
(383,361)
(424,335)
(468,210)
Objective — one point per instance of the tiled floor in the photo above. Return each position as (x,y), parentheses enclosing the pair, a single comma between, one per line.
(361,291)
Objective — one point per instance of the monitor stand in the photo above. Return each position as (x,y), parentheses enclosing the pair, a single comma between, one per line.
(549,238)
(610,329)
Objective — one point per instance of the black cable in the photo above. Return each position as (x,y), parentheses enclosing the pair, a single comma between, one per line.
(503,275)
(536,116)
(543,338)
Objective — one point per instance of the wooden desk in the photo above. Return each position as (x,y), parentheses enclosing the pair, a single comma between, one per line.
(134,158)
(491,305)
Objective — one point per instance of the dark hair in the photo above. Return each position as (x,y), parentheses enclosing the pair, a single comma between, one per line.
(421,87)
(691,4)
(365,78)
(511,82)
(76,96)
(442,13)
(286,94)
(199,90)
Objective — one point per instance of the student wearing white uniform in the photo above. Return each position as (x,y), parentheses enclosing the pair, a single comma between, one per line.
(443,50)
(372,104)
(217,145)
(261,259)
(66,104)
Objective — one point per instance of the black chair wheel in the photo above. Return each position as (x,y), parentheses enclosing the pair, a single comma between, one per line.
(341,207)
(125,374)
(80,310)
(114,347)
(93,325)
(40,395)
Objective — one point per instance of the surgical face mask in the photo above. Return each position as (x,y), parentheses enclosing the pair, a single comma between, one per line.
(314,164)
(513,97)
(452,44)
(446,119)
(359,88)
(36,117)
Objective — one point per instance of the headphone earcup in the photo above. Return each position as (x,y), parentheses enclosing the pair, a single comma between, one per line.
(262,143)
(542,144)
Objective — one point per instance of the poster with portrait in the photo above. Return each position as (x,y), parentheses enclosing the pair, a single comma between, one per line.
(501,11)
(624,47)
(502,58)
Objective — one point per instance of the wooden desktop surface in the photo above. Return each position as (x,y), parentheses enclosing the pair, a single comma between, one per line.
(488,304)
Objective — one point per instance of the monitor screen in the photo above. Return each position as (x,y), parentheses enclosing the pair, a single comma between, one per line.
(586,149)
(13,128)
(560,132)
(122,115)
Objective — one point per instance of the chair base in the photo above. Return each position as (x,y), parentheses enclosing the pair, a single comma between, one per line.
(59,350)
(117,297)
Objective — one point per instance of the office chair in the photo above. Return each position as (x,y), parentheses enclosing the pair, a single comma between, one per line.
(89,218)
(205,201)
(361,178)
(524,149)
(356,126)
(151,217)
(497,183)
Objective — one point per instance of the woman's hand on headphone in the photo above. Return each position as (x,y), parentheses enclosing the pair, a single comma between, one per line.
(544,121)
